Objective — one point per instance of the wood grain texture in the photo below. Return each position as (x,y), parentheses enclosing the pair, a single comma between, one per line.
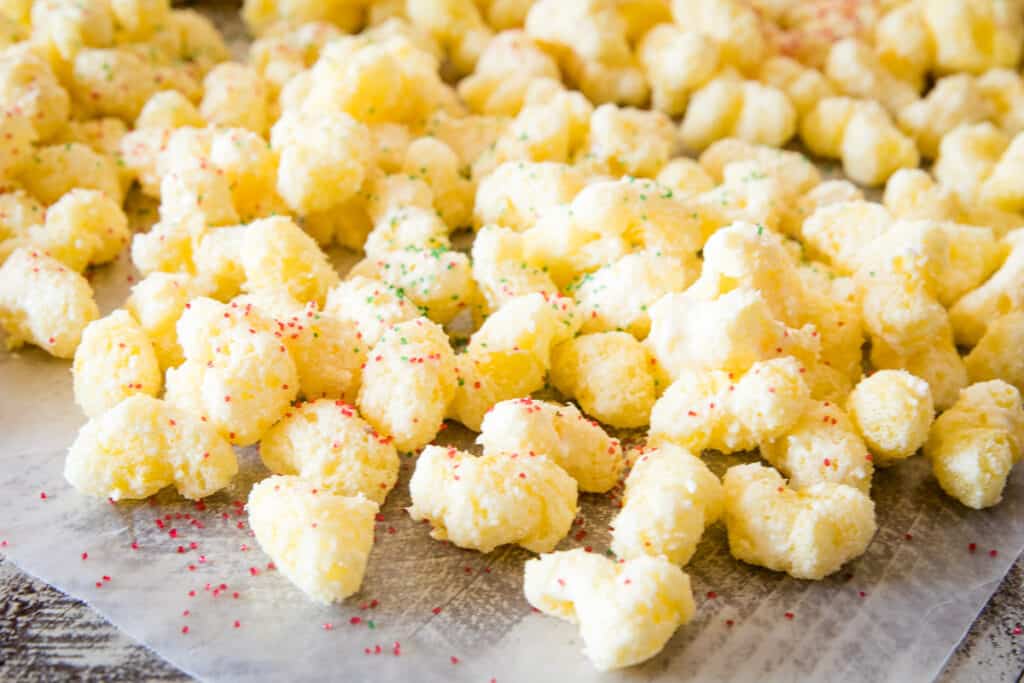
(46,635)
(991,651)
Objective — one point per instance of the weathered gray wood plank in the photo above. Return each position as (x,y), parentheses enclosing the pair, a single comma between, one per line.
(991,651)
(46,635)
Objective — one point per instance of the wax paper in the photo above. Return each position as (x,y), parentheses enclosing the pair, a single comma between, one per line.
(190,582)
(894,614)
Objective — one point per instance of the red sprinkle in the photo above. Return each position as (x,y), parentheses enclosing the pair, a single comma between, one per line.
(328,626)
(42,495)
(712,595)
(862,594)
(971,547)
(238,624)
(355,621)
(85,556)
(135,545)
(909,537)
(254,571)
(729,622)
(1017,630)
(455,660)
(789,615)
(993,553)
(184,629)
(436,610)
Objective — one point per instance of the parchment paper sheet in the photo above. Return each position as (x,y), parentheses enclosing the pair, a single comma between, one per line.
(922,586)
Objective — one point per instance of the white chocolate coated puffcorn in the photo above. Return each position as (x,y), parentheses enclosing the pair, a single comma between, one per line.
(862,135)
(996,356)
(731,412)
(500,268)
(628,141)
(484,502)
(319,540)
(143,445)
(671,497)
(408,382)
(808,534)
(997,296)
(741,322)
(507,65)
(276,253)
(608,220)
(84,227)
(610,374)
(953,101)
(44,302)
(626,612)
(323,161)
(617,296)
(892,410)
(974,445)
(157,302)
(371,304)
(439,281)
(114,360)
(677,62)
(822,446)
(561,433)
(592,42)
(327,443)
(730,107)
(509,356)
(855,69)
(516,193)
(236,373)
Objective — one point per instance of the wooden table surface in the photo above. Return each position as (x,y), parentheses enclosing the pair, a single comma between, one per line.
(46,635)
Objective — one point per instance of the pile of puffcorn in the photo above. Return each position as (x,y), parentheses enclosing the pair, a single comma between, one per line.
(640,243)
